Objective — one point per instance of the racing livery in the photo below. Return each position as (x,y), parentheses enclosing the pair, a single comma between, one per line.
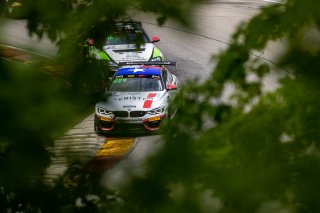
(136,99)
(128,42)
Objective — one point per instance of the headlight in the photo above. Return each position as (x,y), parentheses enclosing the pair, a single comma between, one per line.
(156,111)
(104,111)
(158,58)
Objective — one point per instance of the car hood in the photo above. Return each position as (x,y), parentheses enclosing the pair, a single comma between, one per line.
(128,52)
(133,101)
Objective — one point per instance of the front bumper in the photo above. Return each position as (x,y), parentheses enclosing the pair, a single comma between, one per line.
(107,125)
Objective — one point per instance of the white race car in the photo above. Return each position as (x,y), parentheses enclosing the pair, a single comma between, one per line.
(121,46)
(136,99)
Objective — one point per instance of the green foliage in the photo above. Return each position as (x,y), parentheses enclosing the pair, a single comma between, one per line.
(31,106)
(36,108)
(255,152)
(72,20)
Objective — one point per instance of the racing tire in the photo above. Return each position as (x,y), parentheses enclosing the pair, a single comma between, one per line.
(95,126)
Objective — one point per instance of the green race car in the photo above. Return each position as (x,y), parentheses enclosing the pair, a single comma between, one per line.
(128,43)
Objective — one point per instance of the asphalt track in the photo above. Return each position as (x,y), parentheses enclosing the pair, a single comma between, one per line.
(192,48)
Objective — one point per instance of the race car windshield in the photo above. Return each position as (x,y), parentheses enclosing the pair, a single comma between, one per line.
(135,85)
(126,38)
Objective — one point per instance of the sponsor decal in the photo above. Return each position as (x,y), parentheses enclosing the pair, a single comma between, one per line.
(137,98)
(148,102)
(119,80)
(129,106)
(129,98)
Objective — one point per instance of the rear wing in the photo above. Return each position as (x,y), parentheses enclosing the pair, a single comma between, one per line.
(148,63)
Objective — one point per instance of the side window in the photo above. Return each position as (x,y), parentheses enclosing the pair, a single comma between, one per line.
(165,76)
(169,78)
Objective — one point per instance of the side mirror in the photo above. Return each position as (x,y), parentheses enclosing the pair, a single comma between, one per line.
(171,87)
(90,41)
(155,39)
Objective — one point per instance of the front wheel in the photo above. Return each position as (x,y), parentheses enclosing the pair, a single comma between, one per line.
(95,126)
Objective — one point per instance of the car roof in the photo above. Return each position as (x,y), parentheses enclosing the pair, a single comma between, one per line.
(145,70)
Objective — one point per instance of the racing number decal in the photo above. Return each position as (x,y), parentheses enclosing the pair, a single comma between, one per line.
(148,102)
(119,80)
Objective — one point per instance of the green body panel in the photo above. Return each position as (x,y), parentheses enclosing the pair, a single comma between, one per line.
(156,53)
(98,54)
(103,56)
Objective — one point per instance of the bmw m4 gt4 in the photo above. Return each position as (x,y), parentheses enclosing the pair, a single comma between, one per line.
(136,99)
